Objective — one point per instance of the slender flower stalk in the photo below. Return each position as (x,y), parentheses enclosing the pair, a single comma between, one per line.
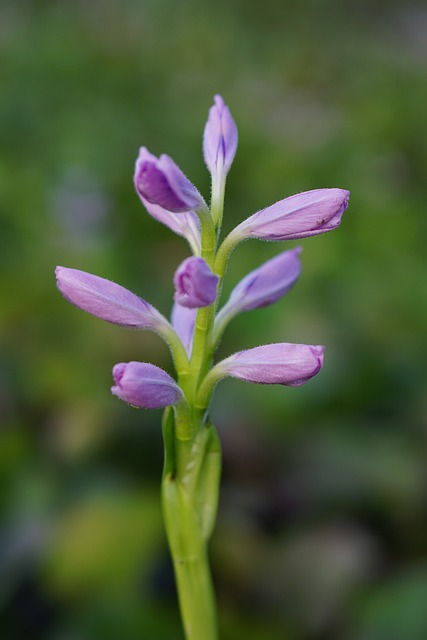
(192,463)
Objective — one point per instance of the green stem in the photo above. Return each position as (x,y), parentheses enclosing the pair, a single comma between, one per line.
(223,253)
(191,475)
(205,316)
(196,596)
(190,490)
(207,386)
(190,560)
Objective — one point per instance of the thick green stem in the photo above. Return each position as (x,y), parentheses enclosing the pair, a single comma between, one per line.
(196,596)
(190,490)
(190,560)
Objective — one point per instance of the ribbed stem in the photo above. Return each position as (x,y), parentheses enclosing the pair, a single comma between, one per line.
(190,490)
(196,596)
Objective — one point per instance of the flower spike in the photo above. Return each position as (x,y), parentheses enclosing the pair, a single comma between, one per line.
(192,468)
(145,386)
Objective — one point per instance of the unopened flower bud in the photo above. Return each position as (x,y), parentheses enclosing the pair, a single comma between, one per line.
(161,182)
(219,138)
(284,363)
(195,283)
(299,216)
(145,386)
(106,300)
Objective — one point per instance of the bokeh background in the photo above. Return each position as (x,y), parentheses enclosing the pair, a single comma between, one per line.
(322,531)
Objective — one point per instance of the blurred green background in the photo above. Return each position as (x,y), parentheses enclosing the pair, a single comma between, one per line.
(322,531)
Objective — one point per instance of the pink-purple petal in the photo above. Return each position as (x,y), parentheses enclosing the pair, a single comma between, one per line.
(268,283)
(195,283)
(184,224)
(284,363)
(144,385)
(106,300)
(161,182)
(299,216)
(183,321)
(220,137)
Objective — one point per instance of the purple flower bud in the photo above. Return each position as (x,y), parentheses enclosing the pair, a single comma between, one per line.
(283,363)
(106,300)
(219,138)
(161,182)
(195,283)
(145,385)
(299,216)
(183,321)
(268,283)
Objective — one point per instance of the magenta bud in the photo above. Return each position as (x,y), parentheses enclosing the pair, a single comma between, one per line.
(195,283)
(144,385)
(299,216)
(219,138)
(106,300)
(161,182)
(288,364)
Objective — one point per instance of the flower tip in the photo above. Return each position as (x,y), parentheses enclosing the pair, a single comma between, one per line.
(219,138)
(319,352)
(118,371)
(144,385)
(346,198)
(219,101)
(346,201)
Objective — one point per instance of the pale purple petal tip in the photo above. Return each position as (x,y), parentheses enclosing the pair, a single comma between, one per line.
(284,363)
(161,182)
(220,138)
(299,216)
(144,385)
(105,299)
(195,283)
(184,224)
(183,321)
(268,283)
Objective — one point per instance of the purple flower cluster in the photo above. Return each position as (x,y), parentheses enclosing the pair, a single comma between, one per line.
(170,197)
